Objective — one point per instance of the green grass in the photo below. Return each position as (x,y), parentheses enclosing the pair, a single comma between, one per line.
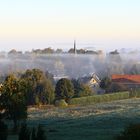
(96,127)
(114,117)
(104,126)
(103,98)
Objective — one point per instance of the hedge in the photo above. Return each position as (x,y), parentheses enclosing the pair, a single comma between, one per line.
(104,98)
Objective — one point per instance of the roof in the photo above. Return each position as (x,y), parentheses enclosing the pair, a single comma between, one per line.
(87,79)
(126,78)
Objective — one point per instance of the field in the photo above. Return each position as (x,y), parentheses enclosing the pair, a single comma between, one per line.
(101,121)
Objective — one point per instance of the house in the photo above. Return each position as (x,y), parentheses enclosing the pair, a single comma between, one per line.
(130,81)
(92,81)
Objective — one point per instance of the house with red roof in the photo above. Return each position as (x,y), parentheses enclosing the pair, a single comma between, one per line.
(130,81)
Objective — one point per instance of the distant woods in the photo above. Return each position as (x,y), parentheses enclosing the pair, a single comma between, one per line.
(60,51)
(49,50)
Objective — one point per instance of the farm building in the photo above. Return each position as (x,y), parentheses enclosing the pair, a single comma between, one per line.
(130,81)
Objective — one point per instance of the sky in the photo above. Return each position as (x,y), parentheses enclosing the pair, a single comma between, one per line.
(101,24)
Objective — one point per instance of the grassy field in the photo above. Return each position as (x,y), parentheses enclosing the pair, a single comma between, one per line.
(101,121)
(99,117)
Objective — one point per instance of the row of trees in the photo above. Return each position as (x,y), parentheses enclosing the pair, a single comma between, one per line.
(34,87)
(49,50)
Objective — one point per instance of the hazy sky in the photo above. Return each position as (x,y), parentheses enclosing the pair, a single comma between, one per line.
(28,24)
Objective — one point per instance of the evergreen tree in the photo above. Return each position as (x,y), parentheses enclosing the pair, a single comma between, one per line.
(64,89)
(12,100)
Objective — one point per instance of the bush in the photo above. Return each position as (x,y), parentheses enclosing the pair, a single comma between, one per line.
(61,103)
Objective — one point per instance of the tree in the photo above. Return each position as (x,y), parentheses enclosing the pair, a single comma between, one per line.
(135,69)
(71,50)
(117,87)
(12,100)
(45,92)
(77,87)
(38,86)
(13,51)
(105,83)
(59,51)
(48,51)
(50,77)
(64,89)
(81,51)
(80,89)
(85,91)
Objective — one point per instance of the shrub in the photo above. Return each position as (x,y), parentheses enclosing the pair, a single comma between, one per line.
(61,103)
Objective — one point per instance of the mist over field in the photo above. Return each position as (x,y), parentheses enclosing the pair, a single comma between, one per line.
(73,65)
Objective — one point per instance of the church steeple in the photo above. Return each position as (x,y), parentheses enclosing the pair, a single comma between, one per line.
(75,47)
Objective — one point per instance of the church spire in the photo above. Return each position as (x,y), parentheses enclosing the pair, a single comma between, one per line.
(75,47)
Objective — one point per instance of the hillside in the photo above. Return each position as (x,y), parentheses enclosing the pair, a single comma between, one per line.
(94,122)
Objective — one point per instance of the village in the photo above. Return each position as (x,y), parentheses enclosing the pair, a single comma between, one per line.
(90,67)
(55,88)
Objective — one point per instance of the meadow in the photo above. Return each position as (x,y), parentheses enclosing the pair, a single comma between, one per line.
(101,121)
(98,117)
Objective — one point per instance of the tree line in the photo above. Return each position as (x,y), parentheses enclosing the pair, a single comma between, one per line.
(50,50)
(35,87)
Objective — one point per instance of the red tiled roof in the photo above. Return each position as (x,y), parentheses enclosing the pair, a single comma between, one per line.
(126,78)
